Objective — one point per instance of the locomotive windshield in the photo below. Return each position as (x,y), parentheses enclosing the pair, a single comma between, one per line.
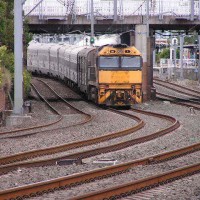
(108,62)
(131,62)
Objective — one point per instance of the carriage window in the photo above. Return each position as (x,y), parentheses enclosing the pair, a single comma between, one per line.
(108,62)
(131,62)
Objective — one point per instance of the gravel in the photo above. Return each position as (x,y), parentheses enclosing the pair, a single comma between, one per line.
(134,174)
(105,122)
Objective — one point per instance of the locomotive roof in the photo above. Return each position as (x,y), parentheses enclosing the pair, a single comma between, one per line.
(111,50)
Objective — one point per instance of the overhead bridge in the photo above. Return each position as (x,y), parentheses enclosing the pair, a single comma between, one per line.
(111,16)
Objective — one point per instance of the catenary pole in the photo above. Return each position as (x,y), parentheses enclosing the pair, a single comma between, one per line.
(181,55)
(18,51)
(92,22)
(192,10)
(199,10)
(147,17)
(199,59)
(115,10)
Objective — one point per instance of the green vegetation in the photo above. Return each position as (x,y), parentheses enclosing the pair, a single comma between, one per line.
(27,82)
(7,46)
(165,53)
(190,39)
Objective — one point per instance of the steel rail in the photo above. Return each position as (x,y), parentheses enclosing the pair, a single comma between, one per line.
(88,117)
(39,126)
(180,86)
(97,151)
(85,177)
(73,145)
(68,104)
(176,101)
(179,91)
(141,185)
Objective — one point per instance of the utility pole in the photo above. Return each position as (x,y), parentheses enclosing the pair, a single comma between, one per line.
(192,10)
(92,22)
(199,58)
(199,10)
(181,55)
(18,51)
(147,17)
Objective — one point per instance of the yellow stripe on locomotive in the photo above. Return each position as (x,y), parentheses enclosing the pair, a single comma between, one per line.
(119,76)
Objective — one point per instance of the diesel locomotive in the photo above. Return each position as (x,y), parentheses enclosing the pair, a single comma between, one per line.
(109,75)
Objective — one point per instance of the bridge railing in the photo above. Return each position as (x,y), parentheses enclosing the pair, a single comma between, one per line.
(105,8)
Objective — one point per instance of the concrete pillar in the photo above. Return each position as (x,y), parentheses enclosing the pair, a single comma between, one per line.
(145,46)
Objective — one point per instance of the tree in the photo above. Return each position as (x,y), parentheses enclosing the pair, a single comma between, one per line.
(6,23)
(165,53)
(7,40)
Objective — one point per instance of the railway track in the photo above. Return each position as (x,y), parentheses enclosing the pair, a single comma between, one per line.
(180,89)
(192,103)
(178,101)
(134,187)
(123,190)
(38,126)
(118,191)
(37,153)
(88,117)
(14,159)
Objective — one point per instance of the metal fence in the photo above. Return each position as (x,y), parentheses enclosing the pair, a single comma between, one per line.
(172,69)
(106,7)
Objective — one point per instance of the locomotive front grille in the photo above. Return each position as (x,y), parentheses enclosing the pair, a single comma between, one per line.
(120,94)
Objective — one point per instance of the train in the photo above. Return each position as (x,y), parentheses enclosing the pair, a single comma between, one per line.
(109,75)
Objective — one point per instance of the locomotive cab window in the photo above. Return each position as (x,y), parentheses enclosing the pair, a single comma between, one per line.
(131,62)
(108,62)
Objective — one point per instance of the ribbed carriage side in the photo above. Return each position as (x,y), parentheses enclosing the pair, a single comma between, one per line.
(87,71)
(54,60)
(44,58)
(67,56)
(73,64)
(32,57)
(62,61)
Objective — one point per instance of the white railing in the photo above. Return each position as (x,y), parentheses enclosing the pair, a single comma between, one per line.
(105,7)
(187,63)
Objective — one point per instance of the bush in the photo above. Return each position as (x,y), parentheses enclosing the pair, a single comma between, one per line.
(27,82)
(7,71)
(5,79)
(7,59)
